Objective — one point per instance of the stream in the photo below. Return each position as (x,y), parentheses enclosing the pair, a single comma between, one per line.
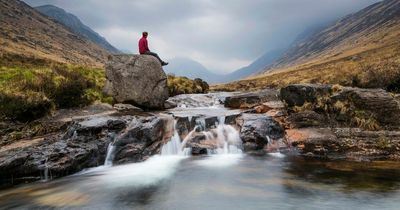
(225,178)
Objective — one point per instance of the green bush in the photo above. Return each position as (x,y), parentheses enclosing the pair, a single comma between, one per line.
(39,89)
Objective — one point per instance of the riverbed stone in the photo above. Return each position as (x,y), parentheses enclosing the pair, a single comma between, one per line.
(142,138)
(298,94)
(256,128)
(136,79)
(250,100)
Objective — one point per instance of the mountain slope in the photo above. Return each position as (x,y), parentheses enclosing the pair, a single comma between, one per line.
(191,69)
(361,49)
(254,67)
(358,30)
(73,23)
(26,32)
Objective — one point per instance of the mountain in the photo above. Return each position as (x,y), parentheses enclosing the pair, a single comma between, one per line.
(255,67)
(361,49)
(191,69)
(369,28)
(26,32)
(76,25)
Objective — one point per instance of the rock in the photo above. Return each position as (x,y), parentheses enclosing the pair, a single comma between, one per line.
(57,154)
(231,119)
(136,79)
(169,104)
(297,95)
(250,100)
(306,119)
(127,107)
(381,104)
(199,143)
(346,143)
(142,138)
(256,128)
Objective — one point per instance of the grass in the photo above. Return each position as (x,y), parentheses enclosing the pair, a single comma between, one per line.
(372,68)
(29,92)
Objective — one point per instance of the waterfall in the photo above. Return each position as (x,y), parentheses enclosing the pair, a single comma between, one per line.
(227,140)
(110,155)
(175,146)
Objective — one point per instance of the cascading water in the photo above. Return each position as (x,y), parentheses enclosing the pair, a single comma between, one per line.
(110,155)
(175,145)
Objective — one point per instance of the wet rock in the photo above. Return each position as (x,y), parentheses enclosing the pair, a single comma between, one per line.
(169,104)
(306,119)
(137,80)
(199,144)
(346,143)
(231,119)
(58,155)
(116,125)
(211,122)
(250,100)
(127,107)
(183,126)
(256,128)
(297,95)
(142,138)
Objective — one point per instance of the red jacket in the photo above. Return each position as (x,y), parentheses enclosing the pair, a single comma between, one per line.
(143,47)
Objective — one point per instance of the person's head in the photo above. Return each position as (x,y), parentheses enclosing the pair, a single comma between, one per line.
(145,33)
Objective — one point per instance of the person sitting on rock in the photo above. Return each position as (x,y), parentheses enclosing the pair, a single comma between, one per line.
(144,49)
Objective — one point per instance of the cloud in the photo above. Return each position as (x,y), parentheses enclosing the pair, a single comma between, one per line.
(223,35)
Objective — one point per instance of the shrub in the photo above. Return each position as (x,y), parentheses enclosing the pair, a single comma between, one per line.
(184,85)
(39,89)
(23,106)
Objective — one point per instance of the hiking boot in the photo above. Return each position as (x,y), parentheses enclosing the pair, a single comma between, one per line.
(164,63)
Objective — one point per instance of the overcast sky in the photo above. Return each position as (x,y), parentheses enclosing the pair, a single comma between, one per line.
(223,35)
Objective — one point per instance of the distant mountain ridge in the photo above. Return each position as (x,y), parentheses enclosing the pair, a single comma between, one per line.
(76,25)
(191,69)
(351,32)
(26,32)
(361,49)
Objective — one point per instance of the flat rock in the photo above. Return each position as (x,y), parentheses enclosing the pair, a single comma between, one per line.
(250,100)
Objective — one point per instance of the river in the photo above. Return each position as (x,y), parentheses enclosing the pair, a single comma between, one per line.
(223,179)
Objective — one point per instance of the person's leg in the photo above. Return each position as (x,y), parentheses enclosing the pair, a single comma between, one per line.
(155,55)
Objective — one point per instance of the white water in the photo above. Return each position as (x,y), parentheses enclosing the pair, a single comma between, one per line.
(110,155)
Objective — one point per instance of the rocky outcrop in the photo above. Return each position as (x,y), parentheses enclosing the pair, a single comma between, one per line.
(136,79)
(142,138)
(297,95)
(342,122)
(345,105)
(250,100)
(381,104)
(256,130)
(346,143)
(84,144)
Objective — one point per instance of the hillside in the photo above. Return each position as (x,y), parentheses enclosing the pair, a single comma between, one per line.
(27,33)
(361,49)
(76,25)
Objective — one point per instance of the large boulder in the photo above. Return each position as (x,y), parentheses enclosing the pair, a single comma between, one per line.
(136,79)
(298,94)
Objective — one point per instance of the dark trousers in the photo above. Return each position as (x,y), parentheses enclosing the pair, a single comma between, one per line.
(153,54)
